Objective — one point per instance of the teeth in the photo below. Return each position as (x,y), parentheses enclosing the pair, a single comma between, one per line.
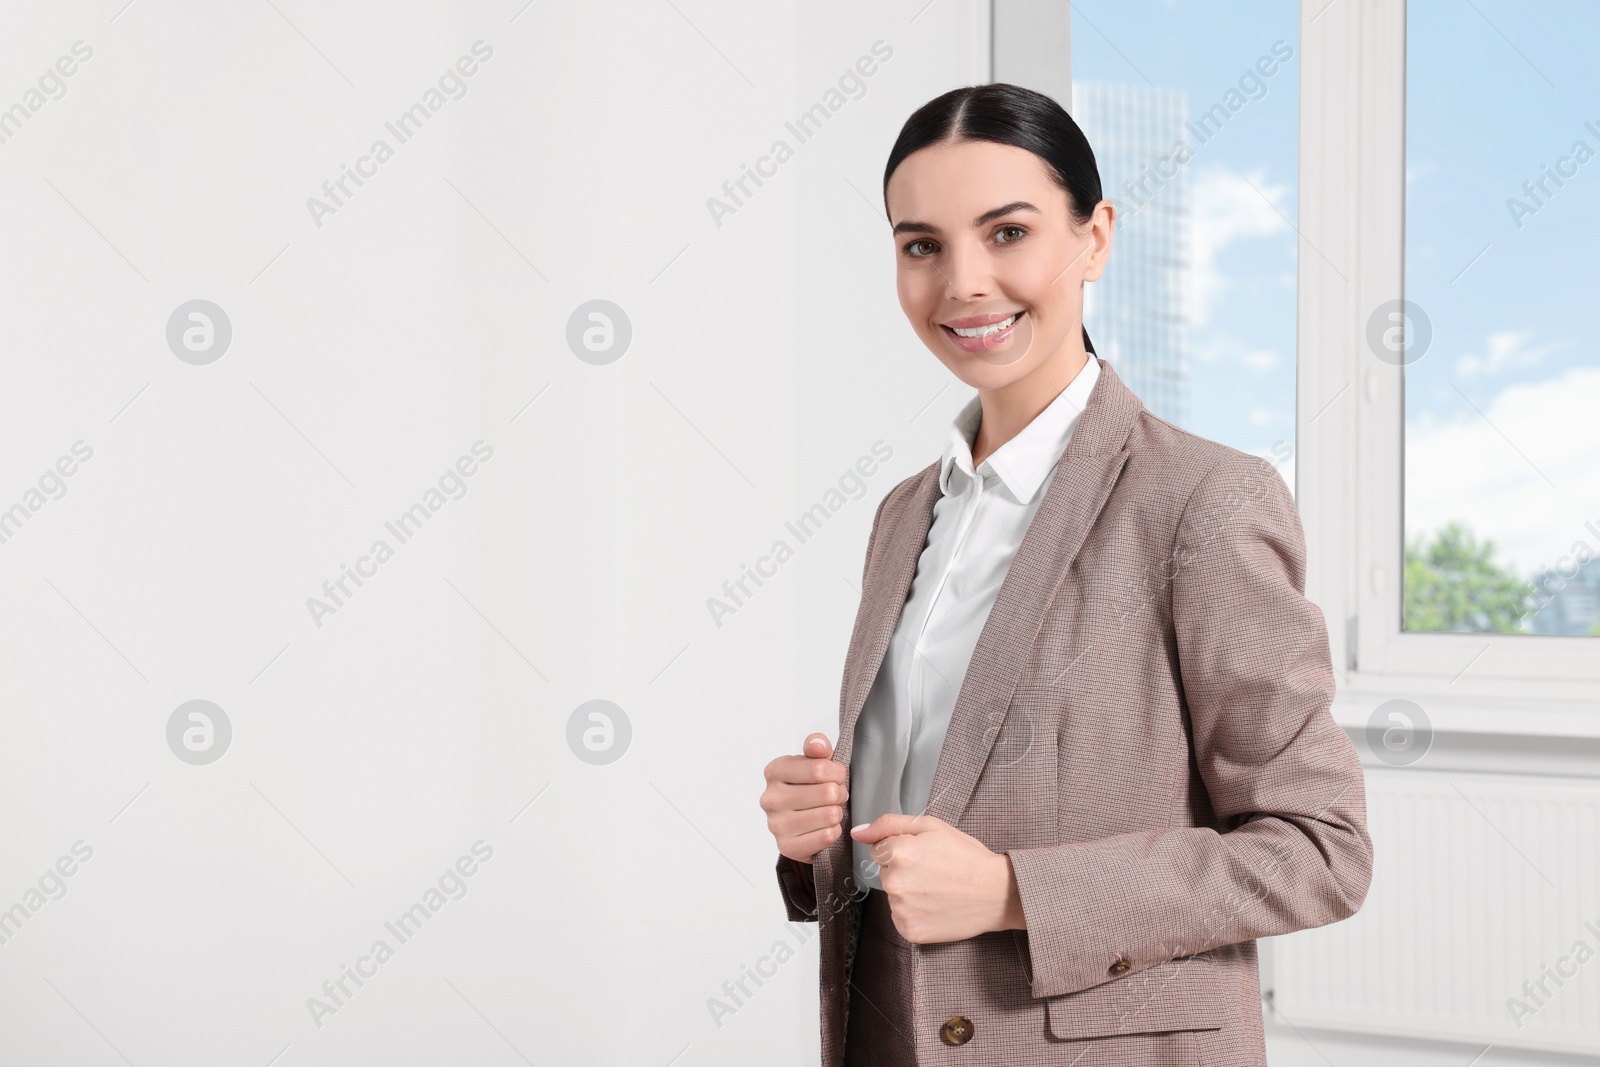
(984,331)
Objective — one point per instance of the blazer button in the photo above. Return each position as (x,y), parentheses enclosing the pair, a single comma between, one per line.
(958,1031)
(1122,966)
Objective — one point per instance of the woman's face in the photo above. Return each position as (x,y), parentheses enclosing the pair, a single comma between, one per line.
(982,234)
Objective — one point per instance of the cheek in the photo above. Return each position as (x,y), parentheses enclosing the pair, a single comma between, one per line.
(1036,276)
(917,296)
(1041,284)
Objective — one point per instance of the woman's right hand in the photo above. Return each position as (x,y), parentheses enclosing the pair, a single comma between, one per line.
(804,799)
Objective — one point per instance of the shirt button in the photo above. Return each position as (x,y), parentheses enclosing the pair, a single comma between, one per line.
(958,1031)
(1120,967)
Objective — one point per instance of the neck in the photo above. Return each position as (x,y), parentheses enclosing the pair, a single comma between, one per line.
(1009,408)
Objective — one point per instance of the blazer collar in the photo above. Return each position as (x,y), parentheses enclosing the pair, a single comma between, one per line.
(1086,472)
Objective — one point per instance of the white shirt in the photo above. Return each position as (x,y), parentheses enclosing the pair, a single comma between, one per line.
(978,522)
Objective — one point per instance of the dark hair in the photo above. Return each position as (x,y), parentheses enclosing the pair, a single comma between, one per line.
(1010,115)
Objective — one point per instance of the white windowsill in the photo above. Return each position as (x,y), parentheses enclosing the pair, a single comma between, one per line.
(1488,736)
(1469,715)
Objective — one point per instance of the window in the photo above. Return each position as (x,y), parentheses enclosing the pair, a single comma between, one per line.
(1501,379)
(1192,112)
(1444,455)
(1407,203)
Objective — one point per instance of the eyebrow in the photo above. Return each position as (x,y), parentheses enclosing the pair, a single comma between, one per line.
(910,226)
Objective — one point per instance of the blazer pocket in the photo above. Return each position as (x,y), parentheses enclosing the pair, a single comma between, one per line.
(1180,994)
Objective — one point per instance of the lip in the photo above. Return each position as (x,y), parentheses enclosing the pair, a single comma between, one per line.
(986,343)
(972,321)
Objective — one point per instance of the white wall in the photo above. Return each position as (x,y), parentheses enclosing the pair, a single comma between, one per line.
(368,353)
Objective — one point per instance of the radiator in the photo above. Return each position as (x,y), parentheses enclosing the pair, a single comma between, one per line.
(1482,923)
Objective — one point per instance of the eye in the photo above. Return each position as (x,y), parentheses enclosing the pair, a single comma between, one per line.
(1010,228)
(911,248)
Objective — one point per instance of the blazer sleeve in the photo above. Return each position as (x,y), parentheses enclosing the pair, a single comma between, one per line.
(797,881)
(1289,847)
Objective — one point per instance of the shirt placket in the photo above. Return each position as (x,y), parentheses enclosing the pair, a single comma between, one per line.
(919,662)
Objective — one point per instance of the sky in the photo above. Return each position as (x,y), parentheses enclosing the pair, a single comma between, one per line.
(1242,196)
(1501,426)
(1500,409)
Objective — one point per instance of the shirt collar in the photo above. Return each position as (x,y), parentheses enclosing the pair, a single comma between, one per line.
(1023,462)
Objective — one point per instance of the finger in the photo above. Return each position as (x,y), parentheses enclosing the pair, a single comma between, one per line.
(782,796)
(806,770)
(787,824)
(890,824)
(885,851)
(808,844)
(817,746)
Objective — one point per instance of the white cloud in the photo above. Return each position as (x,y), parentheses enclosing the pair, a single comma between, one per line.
(1419,170)
(1220,348)
(1227,209)
(1489,476)
(1507,348)
(1268,417)
(1259,359)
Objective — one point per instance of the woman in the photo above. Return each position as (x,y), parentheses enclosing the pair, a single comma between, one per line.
(1084,743)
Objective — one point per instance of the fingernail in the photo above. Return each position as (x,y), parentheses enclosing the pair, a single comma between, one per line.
(860,826)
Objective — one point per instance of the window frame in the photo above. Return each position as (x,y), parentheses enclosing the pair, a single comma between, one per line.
(1349,420)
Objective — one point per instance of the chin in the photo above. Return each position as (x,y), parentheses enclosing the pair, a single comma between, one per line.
(977,374)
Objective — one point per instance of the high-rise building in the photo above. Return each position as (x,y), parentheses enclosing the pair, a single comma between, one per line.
(1567,605)
(1137,313)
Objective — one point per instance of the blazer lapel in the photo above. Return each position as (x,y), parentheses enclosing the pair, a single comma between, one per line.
(1084,477)
(883,598)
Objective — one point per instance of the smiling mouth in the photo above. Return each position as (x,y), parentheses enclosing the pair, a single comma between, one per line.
(985,331)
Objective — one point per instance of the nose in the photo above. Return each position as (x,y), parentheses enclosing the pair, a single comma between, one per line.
(968,273)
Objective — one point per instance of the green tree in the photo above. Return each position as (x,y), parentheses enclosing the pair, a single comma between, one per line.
(1454,585)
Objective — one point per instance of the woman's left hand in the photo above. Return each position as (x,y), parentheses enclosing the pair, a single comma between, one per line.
(942,884)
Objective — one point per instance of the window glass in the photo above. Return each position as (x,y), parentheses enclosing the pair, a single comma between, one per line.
(1496,335)
(1192,110)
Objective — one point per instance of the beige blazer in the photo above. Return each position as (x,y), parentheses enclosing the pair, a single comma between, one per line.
(1144,728)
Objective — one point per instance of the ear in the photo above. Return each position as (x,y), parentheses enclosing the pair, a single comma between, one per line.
(1102,226)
